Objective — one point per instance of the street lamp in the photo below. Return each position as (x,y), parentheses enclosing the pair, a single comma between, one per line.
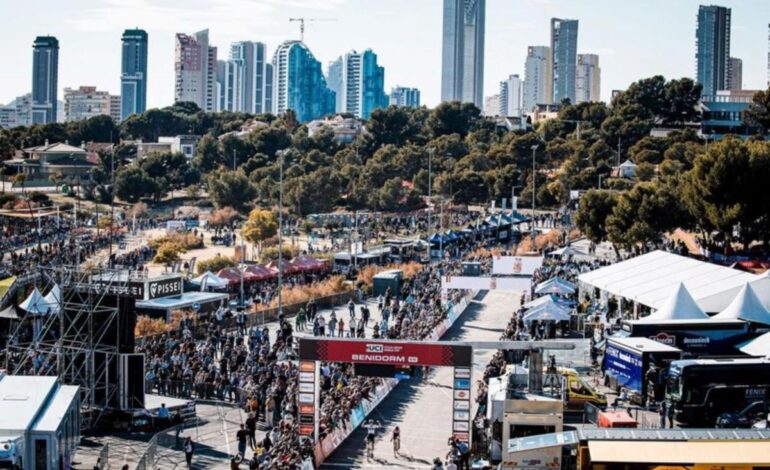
(534,149)
(281,154)
(600,181)
(430,195)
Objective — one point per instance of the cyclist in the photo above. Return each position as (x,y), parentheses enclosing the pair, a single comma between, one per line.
(396,439)
(371,427)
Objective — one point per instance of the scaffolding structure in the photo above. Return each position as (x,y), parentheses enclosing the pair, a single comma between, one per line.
(78,340)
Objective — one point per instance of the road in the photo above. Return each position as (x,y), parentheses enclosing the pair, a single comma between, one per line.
(422,410)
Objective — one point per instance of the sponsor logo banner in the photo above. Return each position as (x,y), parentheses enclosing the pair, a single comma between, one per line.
(462,405)
(384,352)
(462,373)
(464,384)
(305,387)
(461,426)
(462,395)
(461,416)
(306,398)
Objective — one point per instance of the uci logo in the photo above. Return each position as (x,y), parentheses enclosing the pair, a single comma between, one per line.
(374,348)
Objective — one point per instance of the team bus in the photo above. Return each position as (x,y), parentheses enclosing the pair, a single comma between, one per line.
(701,389)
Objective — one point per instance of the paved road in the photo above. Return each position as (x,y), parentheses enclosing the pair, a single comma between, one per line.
(422,410)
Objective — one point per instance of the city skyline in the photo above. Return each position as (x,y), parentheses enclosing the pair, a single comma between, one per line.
(415,65)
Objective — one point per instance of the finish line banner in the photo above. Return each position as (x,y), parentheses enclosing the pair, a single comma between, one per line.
(514,284)
(384,352)
(517,265)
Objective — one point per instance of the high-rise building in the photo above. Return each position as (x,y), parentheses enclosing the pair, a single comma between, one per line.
(403,96)
(712,44)
(363,84)
(462,59)
(299,83)
(133,73)
(255,79)
(196,66)
(86,102)
(537,77)
(491,105)
(334,82)
(45,79)
(768,55)
(510,97)
(17,113)
(564,37)
(588,80)
(229,86)
(736,74)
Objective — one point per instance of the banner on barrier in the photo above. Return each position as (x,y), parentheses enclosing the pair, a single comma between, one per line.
(516,284)
(516,265)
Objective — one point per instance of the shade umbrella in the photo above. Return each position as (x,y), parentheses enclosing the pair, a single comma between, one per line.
(555,285)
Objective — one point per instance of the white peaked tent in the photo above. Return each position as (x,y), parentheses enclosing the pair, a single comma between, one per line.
(550,310)
(746,306)
(758,347)
(209,279)
(35,303)
(53,299)
(555,285)
(680,306)
(546,299)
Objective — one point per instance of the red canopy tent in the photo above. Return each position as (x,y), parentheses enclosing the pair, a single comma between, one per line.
(232,275)
(259,272)
(306,263)
(288,267)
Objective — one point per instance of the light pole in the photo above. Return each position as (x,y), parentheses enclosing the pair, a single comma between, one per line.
(430,195)
(281,155)
(600,181)
(243,266)
(534,150)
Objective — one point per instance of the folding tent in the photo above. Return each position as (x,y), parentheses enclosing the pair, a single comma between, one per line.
(555,285)
(549,311)
(746,306)
(35,303)
(544,300)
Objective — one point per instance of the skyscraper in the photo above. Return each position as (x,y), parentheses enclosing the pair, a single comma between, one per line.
(363,84)
(45,79)
(133,73)
(403,96)
(736,74)
(712,44)
(255,78)
(299,83)
(564,37)
(334,81)
(588,80)
(537,77)
(510,97)
(196,66)
(462,59)
(229,87)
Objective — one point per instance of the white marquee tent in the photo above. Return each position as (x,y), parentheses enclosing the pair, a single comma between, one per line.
(746,306)
(53,299)
(680,306)
(652,278)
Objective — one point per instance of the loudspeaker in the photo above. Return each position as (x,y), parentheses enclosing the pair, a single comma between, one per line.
(131,383)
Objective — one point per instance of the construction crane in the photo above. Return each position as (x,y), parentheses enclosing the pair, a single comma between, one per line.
(309,20)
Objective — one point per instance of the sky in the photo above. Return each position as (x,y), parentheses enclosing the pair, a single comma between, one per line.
(634,39)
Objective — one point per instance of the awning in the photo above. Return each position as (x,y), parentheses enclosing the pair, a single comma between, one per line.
(736,452)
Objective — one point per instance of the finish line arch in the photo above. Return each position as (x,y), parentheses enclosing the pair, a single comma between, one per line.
(314,350)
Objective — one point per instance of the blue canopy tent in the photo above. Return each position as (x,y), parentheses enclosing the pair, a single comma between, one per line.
(549,311)
(546,299)
(555,285)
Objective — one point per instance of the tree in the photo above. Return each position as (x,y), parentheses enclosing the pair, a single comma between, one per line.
(168,253)
(261,225)
(133,183)
(594,208)
(758,112)
(207,155)
(231,188)
(452,118)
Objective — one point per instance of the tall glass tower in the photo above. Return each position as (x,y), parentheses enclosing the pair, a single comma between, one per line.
(45,79)
(133,73)
(462,56)
(564,36)
(712,44)
(299,83)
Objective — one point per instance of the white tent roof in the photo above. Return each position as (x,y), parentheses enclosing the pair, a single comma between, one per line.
(746,306)
(652,278)
(35,303)
(758,347)
(544,300)
(212,280)
(555,285)
(628,163)
(548,311)
(53,299)
(680,306)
